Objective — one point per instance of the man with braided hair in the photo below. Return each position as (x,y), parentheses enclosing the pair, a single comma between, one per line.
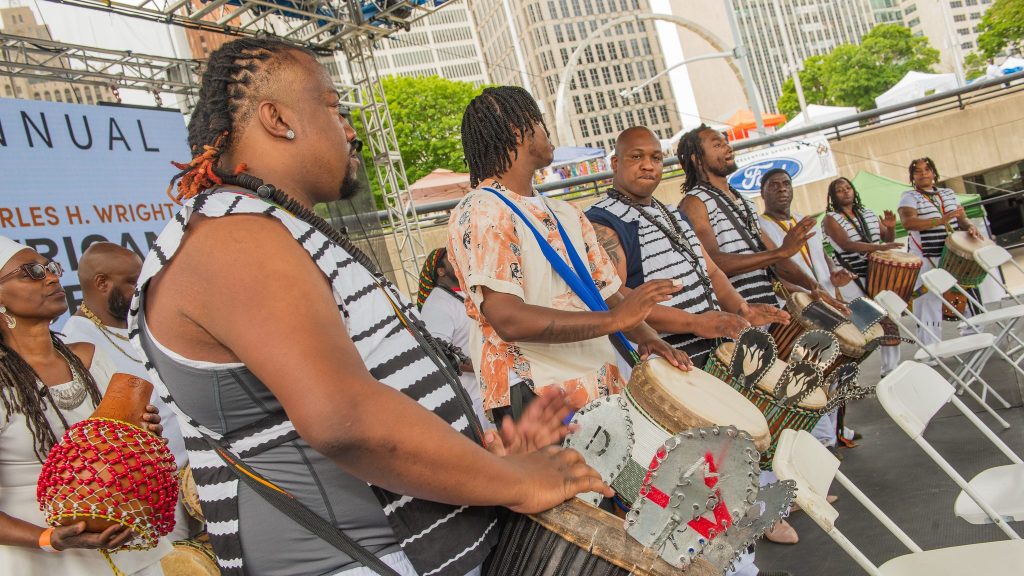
(288,357)
(533,329)
(727,224)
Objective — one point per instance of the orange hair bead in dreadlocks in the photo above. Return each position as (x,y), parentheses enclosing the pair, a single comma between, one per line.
(199,174)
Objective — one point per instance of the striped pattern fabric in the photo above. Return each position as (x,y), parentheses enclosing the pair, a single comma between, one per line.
(754,286)
(857,261)
(438,538)
(662,260)
(929,243)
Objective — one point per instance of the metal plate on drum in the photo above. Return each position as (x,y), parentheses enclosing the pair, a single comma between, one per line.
(753,356)
(697,484)
(771,505)
(816,347)
(604,436)
(822,316)
(865,313)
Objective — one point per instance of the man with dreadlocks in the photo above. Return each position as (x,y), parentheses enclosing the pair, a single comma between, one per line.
(293,363)
(727,224)
(45,387)
(443,309)
(540,312)
(645,240)
(854,232)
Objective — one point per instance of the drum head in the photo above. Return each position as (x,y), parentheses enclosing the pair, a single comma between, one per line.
(190,558)
(680,400)
(897,257)
(962,243)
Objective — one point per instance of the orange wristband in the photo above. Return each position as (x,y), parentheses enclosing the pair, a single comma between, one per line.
(44,540)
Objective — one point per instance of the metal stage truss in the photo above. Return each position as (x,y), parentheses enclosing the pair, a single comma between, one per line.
(351,26)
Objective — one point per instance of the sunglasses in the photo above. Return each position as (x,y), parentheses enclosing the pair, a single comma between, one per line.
(36,271)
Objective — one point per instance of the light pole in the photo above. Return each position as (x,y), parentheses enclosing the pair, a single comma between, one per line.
(634,91)
(741,57)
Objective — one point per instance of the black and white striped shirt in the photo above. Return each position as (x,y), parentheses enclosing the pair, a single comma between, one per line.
(438,538)
(857,261)
(755,286)
(929,243)
(661,259)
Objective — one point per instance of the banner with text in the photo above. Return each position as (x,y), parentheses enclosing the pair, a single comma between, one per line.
(807,160)
(71,175)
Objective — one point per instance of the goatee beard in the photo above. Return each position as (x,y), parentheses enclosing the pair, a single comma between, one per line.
(118,305)
(350,186)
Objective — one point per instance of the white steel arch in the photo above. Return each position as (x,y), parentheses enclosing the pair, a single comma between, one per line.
(562,126)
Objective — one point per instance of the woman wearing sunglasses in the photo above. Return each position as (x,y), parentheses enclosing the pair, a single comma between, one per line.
(46,386)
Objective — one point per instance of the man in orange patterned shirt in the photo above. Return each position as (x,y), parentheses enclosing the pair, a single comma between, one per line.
(531,330)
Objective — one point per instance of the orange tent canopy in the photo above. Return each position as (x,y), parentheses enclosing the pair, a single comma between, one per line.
(439,185)
(743,122)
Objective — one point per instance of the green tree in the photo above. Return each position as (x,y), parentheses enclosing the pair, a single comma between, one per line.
(1002,28)
(427,116)
(853,75)
(975,66)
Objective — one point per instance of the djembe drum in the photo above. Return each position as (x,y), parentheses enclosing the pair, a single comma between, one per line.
(578,538)
(778,415)
(893,270)
(958,259)
(853,344)
(192,557)
(107,470)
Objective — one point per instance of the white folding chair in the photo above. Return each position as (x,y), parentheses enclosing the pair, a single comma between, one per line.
(801,458)
(939,281)
(911,395)
(973,344)
(992,259)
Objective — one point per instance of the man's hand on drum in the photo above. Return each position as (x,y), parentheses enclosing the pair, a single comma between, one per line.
(550,476)
(841,277)
(75,536)
(657,346)
(151,420)
(823,295)
(890,246)
(763,314)
(797,236)
(975,233)
(541,424)
(717,324)
(635,306)
(888,219)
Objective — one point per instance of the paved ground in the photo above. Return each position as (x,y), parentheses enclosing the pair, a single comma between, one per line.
(897,475)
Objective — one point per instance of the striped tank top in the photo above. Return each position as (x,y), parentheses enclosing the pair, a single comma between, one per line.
(857,261)
(660,258)
(929,243)
(755,286)
(437,538)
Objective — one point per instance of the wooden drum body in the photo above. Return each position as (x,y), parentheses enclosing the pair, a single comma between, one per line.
(778,415)
(958,259)
(575,538)
(893,270)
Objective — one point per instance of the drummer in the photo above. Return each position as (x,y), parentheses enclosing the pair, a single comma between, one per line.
(777,220)
(727,226)
(929,213)
(531,329)
(855,231)
(647,240)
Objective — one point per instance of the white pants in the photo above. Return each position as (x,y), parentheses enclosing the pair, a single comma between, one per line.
(825,430)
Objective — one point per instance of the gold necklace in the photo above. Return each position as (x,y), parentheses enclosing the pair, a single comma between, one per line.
(107,332)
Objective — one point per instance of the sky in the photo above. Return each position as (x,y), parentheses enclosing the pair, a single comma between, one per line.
(89,27)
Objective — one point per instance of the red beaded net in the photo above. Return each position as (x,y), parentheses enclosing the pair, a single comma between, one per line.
(107,471)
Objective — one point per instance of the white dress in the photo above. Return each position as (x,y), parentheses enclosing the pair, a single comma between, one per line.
(19,471)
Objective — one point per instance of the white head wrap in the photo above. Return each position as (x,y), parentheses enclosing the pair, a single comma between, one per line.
(8,248)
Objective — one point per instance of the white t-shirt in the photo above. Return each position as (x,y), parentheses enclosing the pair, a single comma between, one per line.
(819,260)
(79,329)
(445,317)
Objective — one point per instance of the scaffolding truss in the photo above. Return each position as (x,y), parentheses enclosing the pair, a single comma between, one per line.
(318,24)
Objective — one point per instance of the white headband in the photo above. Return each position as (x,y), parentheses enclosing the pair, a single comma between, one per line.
(8,248)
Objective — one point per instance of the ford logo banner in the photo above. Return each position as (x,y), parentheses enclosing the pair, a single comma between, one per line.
(748,178)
